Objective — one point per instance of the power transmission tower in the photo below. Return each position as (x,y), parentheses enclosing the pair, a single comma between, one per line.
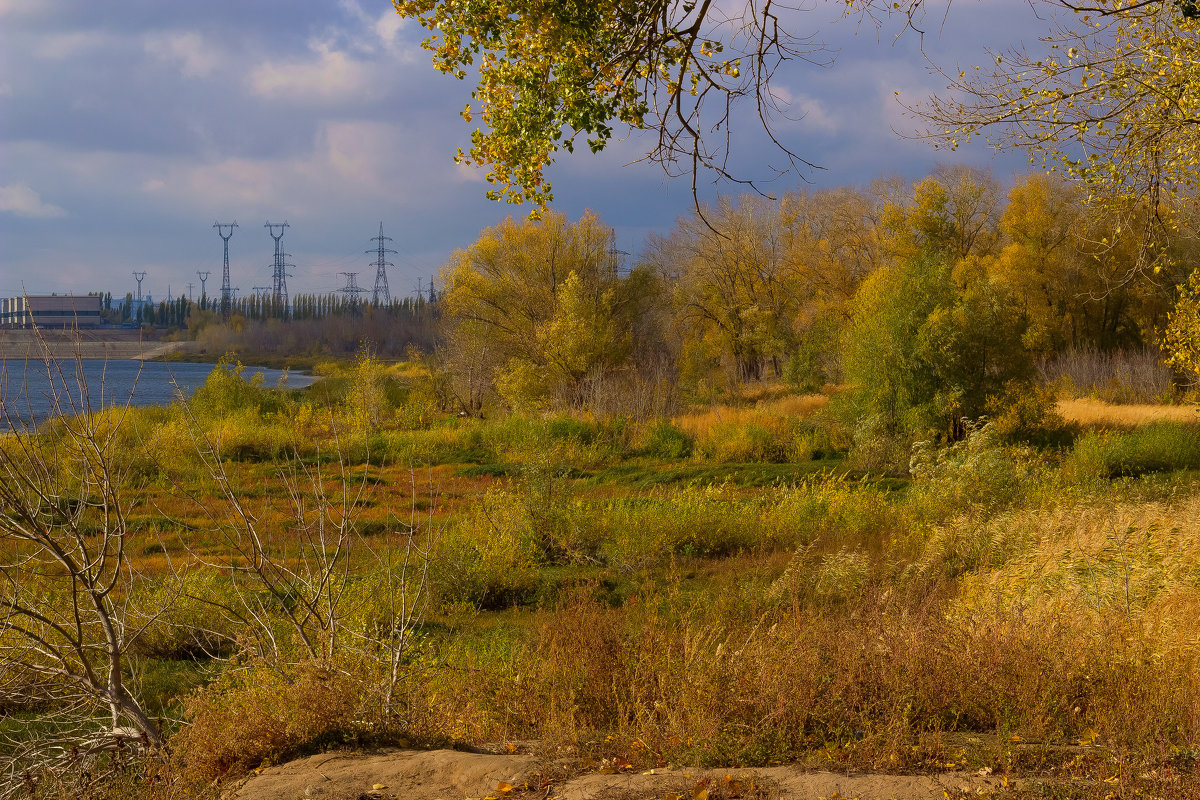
(138,276)
(226,289)
(203,276)
(381,295)
(279,275)
(352,290)
(190,285)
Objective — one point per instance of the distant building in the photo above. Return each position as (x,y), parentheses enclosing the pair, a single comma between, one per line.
(50,311)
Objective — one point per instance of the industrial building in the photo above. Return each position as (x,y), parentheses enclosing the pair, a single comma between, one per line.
(50,311)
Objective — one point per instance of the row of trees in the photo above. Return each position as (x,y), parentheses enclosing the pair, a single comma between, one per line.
(942,292)
(182,311)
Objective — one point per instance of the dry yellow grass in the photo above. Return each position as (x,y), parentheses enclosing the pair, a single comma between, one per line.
(1089,412)
(701,422)
(1136,562)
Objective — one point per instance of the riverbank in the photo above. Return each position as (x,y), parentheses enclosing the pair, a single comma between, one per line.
(101,344)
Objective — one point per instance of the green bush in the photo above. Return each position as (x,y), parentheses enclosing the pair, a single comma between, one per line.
(663,440)
(227,390)
(923,355)
(977,472)
(1157,447)
(489,558)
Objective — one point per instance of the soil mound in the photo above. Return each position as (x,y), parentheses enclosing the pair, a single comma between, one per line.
(454,775)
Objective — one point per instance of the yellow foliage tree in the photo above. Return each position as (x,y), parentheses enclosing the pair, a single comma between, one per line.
(1181,339)
(1111,97)
(537,308)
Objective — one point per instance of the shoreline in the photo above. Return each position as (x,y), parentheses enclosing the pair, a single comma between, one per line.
(122,345)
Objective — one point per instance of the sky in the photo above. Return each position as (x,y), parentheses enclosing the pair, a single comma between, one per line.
(128,127)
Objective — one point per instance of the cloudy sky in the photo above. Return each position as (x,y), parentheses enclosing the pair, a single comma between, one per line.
(128,127)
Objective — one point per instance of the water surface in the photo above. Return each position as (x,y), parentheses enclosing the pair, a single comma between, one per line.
(32,391)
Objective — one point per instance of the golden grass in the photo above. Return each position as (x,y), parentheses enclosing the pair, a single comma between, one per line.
(1089,412)
(1136,562)
(698,423)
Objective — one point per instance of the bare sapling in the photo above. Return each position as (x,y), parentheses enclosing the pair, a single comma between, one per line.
(306,583)
(67,583)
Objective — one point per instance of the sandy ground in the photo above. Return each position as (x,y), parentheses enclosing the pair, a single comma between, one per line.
(453,775)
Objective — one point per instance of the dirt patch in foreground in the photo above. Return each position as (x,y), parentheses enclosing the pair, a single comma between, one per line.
(454,775)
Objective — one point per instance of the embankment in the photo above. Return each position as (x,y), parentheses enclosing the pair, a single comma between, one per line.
(106,344)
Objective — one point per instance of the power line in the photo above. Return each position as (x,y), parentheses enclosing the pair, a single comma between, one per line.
(279,276)
(381,295)
(226,289)
(351,289)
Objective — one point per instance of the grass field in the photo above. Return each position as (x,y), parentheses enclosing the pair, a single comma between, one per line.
(729,587)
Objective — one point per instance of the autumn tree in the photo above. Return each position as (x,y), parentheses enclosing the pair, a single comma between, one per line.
(922,355)
(953,211)
(833,241)
(536,309)
(1040,261)
(1181,338)
(734,292)
(550,74)
(1110,96)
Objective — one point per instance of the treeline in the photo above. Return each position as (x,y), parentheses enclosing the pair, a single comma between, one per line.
(178,313)
(933,301)
(309,325)
(316,325)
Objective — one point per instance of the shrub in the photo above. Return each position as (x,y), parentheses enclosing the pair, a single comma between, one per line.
(705,521)
(1157,447)
(978,472)
(253,714)
(192,627)
(739,442)
(227,390)
(1121,376)
(663,440)
(490,556)
(1027,414)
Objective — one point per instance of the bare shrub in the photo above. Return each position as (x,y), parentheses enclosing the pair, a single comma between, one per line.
(67,623)
(1118,376)
(327,616)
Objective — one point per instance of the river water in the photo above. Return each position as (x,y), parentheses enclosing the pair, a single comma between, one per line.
(32,392)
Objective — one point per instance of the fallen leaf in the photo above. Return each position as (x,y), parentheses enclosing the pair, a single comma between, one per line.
(504,788)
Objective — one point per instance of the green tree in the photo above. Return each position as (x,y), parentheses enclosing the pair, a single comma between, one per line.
(923,355)
(537,309)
